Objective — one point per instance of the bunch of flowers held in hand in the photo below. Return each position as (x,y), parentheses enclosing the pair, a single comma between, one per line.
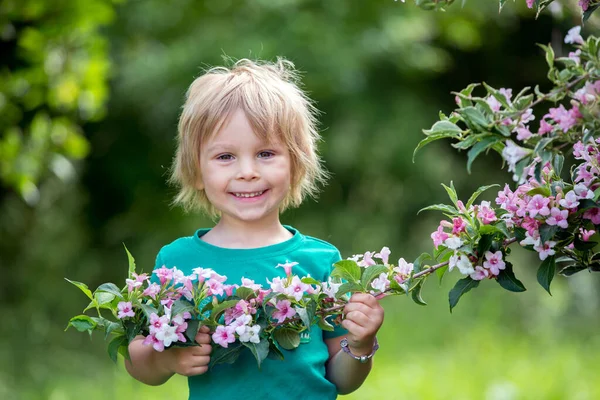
(169,308)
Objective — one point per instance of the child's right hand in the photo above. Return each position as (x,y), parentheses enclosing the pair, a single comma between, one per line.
(190,361)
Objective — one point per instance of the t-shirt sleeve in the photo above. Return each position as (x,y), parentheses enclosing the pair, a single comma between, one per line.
(338,330)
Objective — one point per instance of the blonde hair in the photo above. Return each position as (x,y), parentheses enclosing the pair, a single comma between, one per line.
(270,96)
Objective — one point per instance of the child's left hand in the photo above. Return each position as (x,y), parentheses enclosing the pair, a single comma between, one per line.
(363,318)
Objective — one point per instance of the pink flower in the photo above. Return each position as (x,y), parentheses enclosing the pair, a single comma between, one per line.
(585,234)
(381,283)
(458,225)
(530,3)
(277,285)
(558,217)
(330,288)
(384,255)
(570,200)
(538,205)
(574,55)
(164,274)
(545,249)
(157,322)
(523,132)
(593,214)
(287,267)
(493,103)
(132,285)
(439,236)
(480,273)
(583,192)
(584,4)
(544,128)
(485,213)
(297,288)
(214,287)
(152,290)
(152,340)
(494,262)
(224,335)
(367,260)
(574,34)
(125,310)
(284,310)
(532,239)
(249,283)
(403,267)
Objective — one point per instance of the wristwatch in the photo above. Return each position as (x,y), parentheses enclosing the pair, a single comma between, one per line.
(362,359)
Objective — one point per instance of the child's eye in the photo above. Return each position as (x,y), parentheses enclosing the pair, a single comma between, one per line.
(266,154)
(224,157)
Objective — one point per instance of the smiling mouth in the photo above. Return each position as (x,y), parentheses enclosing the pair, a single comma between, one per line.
(248,195)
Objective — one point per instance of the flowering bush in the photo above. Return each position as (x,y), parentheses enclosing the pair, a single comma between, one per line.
(587,6)
(554,217)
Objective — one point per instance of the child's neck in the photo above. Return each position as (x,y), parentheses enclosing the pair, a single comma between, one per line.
(246,236)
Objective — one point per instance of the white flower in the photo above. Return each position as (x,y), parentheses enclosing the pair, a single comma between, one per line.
(403,267)
(381,283)
(330,288)
(513,154)
(574,35)
(462,263)
(453,242)
(532,240)
(250,334)
(166,334)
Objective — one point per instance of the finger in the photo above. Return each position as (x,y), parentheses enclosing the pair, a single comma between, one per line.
(353,328)
(201,361)
(359,319)
(203,338)
(365,298)
(202,350)
(204,329)
(365,309)
(196,371)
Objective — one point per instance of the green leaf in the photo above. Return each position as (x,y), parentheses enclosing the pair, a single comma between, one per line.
(259,350)
(485,242)
(325,325)
(180,306)
(110,288)
(444,127)
(479,148)
(451,193)
(347,270)
(310,281)
(274,352)
(478,192)
(431,138)
(417,264)
(545,273)
(371,273)
(469,141)
(544,191)
(148,310)
(131,261)
(103,297)
(416,294)
(508,281)
(82,323)
(542,144)
(192,329)
(572,269)
(547,232)
(471,114)
(440,272)
(110,327)
(287,338)
(461,287)
(219,308)
(244,292)
(440,207)
(114,345)
(588,13)
(583,246)
(83,287)
(350,287)
(222,355)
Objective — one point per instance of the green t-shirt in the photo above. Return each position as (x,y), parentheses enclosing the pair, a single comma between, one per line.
(302,374)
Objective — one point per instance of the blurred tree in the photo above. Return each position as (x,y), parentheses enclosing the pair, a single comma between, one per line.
(53,78)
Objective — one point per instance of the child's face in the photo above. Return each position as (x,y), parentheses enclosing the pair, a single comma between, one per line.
(243,176)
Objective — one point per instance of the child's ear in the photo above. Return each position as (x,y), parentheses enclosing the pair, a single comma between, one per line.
(199,184)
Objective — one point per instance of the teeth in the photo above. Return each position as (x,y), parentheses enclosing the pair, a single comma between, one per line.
(248,194)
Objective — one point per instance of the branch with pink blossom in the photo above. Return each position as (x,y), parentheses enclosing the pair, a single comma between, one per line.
(587,6)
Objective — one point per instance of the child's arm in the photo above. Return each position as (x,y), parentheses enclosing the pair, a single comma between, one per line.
(155,368)
(364,317)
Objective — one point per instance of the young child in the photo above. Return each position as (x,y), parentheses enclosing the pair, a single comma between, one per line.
(246,152)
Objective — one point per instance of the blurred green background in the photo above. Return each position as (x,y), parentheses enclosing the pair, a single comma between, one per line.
(90,93)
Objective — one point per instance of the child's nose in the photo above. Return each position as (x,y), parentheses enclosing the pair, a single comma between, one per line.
(247,170)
